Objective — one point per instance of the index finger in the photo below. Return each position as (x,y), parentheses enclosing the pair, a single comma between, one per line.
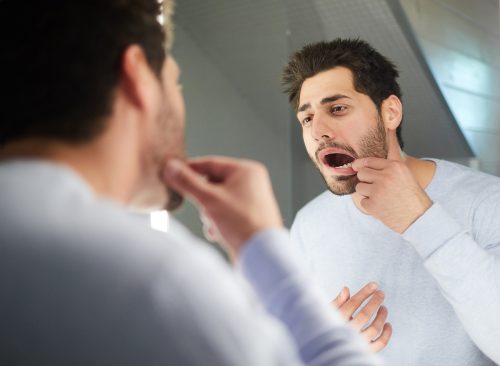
(215,168)
(180,177)
(371,162)
(220,168)
(357,299)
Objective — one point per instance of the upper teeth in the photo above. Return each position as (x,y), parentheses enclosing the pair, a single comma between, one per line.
(348,165)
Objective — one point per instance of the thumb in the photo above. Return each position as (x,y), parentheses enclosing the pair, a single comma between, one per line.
(179,176)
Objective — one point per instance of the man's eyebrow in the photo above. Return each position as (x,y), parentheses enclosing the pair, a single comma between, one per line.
(303,107)
(325,100)
(333,98)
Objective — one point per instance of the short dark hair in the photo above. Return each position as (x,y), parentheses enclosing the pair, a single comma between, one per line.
(61,59)
(373,74)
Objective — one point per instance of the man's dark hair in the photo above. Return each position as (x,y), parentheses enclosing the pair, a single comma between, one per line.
(60,62)
(373,74)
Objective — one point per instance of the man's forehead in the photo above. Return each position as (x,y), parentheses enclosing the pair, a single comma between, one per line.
(336,81)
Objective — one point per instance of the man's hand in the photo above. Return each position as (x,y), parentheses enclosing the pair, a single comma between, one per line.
(390,192)
(378,332)
(234,195)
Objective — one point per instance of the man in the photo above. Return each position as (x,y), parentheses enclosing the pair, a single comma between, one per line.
(92,125)
(426,231)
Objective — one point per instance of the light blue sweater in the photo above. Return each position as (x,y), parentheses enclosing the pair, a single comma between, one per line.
(85,283)
(441,277)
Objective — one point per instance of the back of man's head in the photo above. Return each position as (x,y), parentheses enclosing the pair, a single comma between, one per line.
(61,62)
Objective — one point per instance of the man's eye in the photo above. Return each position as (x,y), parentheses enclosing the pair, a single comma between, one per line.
(306,121)
(338,109)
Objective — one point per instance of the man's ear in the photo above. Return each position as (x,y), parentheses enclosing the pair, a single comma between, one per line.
(392,112)
(137,79)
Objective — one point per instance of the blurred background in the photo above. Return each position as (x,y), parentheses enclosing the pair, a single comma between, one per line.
(232,52)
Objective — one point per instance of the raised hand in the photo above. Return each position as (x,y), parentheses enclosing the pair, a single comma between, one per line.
(376,332)
(234,195)
(390,192)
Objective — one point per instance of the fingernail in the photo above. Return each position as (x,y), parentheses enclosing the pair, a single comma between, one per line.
(172,167)
(372,285)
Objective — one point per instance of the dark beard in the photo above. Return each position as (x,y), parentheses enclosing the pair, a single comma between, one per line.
(346,184)
(174,200)
(374,144)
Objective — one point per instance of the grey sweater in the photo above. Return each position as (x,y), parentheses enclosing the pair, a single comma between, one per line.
(441,277)
(85,283)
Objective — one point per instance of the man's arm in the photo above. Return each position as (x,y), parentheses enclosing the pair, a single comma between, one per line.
(236,197)
(469,276)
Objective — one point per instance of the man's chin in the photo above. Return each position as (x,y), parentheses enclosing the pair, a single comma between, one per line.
(174,200)
(342,185)
(157,199)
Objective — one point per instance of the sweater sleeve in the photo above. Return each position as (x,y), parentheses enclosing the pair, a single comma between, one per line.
(468,274)
(321,336)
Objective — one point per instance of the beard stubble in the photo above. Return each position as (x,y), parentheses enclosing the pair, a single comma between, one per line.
(373,144)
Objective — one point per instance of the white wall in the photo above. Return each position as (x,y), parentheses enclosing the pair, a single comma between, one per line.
(461,41)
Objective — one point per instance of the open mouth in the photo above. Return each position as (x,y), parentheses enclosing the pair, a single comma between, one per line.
(338,160)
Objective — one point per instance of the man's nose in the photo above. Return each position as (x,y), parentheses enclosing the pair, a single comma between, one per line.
(321,128)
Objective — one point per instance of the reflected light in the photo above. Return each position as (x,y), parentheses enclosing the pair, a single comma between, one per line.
(161,18)
(159,220)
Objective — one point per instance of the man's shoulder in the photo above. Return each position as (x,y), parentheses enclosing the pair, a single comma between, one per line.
(97,246)
(124,274)
(454,169)
(462,181)
(53,213)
